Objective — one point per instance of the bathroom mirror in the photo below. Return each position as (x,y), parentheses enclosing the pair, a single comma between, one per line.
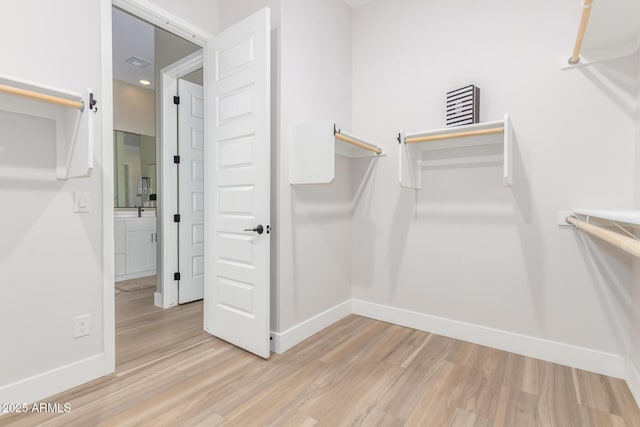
(134,160)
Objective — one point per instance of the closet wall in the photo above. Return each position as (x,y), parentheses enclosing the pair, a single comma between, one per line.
(464,248)
(314,221)
(50,258)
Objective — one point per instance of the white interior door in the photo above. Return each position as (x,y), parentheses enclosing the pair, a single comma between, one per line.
(191,191)
(237,177)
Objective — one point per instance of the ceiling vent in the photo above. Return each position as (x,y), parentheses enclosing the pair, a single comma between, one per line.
(138,62)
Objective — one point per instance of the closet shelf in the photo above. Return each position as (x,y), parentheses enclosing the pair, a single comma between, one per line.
(623,239)
(314,147)
(606,30)
(412,145)
(65,108)
(627,217)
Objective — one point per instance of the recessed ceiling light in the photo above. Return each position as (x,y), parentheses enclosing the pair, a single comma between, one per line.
(144,82)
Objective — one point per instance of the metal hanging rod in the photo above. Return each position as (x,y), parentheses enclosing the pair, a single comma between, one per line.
(454,135)
(42,97)
(354,140)
(627,244)
(584,21)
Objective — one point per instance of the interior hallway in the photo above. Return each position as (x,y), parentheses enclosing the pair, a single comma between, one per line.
(356,372)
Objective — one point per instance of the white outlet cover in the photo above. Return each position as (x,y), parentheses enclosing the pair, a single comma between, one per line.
(82,326)
(81,202)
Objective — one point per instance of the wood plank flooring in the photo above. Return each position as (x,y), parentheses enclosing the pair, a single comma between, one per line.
(357,372)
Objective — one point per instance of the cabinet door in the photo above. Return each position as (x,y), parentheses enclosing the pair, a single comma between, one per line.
(140,251)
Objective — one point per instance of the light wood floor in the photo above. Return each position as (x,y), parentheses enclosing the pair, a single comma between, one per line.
(357,372)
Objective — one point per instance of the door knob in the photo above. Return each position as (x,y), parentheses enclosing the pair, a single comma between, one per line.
(259,229)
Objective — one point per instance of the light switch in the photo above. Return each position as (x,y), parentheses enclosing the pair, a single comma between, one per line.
(81,201)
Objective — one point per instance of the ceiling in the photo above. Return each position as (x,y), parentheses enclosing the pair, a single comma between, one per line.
(132,37)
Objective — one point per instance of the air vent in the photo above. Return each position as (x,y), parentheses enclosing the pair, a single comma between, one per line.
(138,62)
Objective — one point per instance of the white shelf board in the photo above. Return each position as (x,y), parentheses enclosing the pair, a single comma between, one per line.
(628,217)
(313,152)
(411,154)
(68,122)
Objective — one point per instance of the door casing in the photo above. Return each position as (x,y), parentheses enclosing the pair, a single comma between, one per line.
(168,236)
(173,24)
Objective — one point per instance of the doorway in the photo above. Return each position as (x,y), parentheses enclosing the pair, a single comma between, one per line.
(145,187)
(237,155)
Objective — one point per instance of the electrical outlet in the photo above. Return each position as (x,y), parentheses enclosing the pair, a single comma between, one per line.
(82,325)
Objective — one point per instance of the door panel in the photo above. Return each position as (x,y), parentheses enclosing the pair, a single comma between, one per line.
(237,180)
(191,193)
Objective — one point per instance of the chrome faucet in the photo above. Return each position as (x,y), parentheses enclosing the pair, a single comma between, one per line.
(140,210)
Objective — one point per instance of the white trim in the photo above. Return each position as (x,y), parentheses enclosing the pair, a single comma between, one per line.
(633,380)
(108,257)
(168,172)
(157,300)
(47,384)
(564,354)
(132,276)
(283,341)
(161,18)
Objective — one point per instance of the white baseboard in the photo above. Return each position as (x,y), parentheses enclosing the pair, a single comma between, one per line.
(283,341)
(158,300)
(47,384)
(633,380)
(564,354)
(132,276)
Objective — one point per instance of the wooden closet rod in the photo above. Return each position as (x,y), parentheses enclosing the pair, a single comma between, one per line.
(42,97)
(357,143)
(620,241)
(454,135)
(584,21)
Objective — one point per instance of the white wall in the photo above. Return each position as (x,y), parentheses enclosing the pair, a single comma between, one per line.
(314,221)
(232,11)
(134,108)
(464,247)
(50,257)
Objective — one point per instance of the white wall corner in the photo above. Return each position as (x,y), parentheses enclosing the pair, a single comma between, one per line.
(283,341)
(564,354)
(47,384)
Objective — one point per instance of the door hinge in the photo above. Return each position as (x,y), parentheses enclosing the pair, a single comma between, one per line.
(176,100)
(176,276)
(176,218)
(176,160)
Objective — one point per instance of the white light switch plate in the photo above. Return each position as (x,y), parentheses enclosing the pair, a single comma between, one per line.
(81,201)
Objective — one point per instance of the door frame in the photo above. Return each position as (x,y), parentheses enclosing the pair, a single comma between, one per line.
(159,17)
(169,77)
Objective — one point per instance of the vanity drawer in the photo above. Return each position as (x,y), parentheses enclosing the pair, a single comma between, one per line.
(141,225)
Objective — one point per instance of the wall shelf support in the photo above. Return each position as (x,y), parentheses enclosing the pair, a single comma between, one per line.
(412,146)
(66,109)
